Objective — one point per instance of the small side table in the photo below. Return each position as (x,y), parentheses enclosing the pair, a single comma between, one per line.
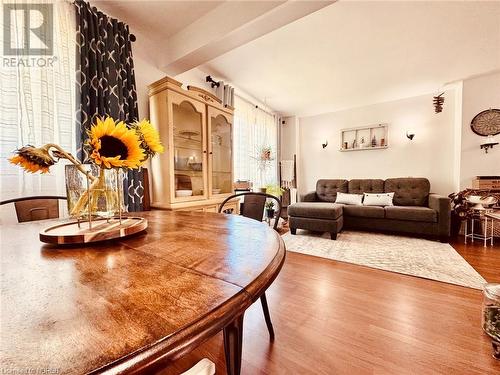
(483,216)
(495,217)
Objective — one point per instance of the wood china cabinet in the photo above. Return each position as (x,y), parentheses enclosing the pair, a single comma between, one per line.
(196,170)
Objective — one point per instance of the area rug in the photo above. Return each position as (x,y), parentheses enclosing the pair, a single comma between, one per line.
(410,256)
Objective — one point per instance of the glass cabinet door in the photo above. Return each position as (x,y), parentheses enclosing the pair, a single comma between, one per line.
(220,152)
(189,151)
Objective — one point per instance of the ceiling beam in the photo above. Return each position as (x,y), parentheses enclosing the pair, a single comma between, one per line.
(227,27)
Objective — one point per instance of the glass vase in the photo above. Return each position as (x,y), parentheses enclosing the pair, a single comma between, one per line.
(98,197)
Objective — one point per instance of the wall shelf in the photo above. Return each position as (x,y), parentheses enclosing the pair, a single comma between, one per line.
(373,137)
(363,149)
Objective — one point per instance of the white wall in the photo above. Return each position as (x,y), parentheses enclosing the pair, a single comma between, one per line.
(145,73)
(430,154)
(194,77)
(479,94)
(289,137)
(289,142)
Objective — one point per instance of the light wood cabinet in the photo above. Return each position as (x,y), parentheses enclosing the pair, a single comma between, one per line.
(196,170)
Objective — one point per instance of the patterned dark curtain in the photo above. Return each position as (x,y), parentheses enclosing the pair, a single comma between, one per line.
(105,83)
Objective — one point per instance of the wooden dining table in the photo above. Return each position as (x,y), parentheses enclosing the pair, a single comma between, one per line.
(136,304)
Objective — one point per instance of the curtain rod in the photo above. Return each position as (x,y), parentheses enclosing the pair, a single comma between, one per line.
(255,105)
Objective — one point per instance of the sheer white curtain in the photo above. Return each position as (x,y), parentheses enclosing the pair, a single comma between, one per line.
(254,130)
(37,104)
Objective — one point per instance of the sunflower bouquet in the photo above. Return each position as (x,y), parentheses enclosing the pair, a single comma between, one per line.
(112,145)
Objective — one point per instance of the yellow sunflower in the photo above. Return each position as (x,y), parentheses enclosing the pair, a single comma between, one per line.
(114,145)
(33,159)
(149,137)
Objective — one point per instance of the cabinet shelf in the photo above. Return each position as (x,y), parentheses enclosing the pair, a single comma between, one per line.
(197,149)
(188,170)
(184,139)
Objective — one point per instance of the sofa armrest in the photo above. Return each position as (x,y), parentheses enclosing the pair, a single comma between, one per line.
(309,197)
(442,205)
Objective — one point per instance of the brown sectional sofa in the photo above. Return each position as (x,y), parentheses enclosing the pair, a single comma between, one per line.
(415,209)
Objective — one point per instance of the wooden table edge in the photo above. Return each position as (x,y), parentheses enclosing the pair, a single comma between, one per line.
(256,289)
(178,344)
(172,347)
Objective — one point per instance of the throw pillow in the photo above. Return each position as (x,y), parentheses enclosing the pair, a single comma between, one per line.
(344,198)
(378,199)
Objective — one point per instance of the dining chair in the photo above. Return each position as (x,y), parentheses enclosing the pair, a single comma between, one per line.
(253,208)
(35,207)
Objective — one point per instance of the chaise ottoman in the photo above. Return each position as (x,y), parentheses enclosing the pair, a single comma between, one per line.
(316,216)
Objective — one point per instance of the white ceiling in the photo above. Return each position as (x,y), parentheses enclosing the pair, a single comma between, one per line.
(351,54)
(157,19)
(176,36)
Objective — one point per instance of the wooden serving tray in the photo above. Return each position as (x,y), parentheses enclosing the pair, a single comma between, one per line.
(102,229)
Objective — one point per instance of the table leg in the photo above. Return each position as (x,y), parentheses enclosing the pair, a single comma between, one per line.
(233,343)
(485,232)
(492,230)
(472,231)
(466,229)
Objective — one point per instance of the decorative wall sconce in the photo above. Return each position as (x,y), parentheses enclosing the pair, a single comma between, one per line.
(410,134)
(324,144)
(490,142)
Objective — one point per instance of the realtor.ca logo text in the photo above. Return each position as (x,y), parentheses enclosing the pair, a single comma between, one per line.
(28,35)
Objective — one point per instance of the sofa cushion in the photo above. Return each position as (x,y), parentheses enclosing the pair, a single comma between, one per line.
(326,190)
(364,211)
(318,210)
(411,213)
(344,198)
(378,199)
(408,191)
(357,186)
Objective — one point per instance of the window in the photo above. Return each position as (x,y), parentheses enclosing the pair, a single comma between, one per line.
(37,106)
(255,131)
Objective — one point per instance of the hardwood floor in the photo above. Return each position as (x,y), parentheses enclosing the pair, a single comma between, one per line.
(485,260)
(339,318)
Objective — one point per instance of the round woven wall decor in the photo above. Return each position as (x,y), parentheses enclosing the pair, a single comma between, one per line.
(486,122)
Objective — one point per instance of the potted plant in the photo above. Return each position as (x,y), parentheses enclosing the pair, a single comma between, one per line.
(276,191)
(270,209)
(460,208)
